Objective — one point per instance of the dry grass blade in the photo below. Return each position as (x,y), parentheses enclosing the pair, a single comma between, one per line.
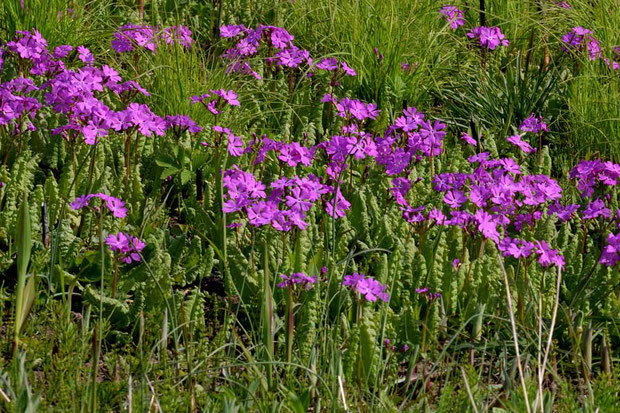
(471,396)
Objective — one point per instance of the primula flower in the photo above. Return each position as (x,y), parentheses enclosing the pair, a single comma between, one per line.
(590,173)
(228,95)
(367,287)
(564,213)
(337,206)
(515,248)
(548,256)
(182,123)
(85,55)
(521,144)
(467,138)
(232,30)
(455,198)
(235,145)
(487,225)
(348,70)
(611,251)
(328,63)
(62,51)
(453,15)
(533,124)
(596,209)
(129,247)
(114,205)
(579,38)
(489,37)
(297,278)
(129,36)
(428,295)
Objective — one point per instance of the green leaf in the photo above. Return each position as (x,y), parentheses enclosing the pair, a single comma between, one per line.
(28,301)
(168,172)
(24,247)
(186,176)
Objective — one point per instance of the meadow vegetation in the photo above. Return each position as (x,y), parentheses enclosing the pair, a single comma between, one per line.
(309,205)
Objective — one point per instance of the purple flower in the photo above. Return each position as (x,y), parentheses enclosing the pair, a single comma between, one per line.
(353,108)
(280,38)
(579,38)
(228,95)
(548,256)
(181,35)
(596,209)
(232,30)
(297,278)
(367,287)
(130,36)
(129,247)
(515,248)
(235,145)
(487,224)
(347,69)
(611,251)
(182,123)
(453,15)
(114,205)
(428,295)
(564,213)
(521,144)
(591,173)
(489,37)
(80,202)
(328,63)
(454,198)
(467,138)
(85,55)
(337,206)
(60,52)
(533,124)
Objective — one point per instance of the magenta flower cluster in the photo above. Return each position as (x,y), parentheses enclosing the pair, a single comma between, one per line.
(127,246)
(280,50)
(216,100)
(285,207)
(489,37)
(113,204)
(297,278)
(531,124)
(425,291)
(367,287)
(578,39)
(491,200)
(82,95)
(131,36)
(453,15)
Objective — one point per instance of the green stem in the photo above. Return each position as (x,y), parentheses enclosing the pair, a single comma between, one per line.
(114,281)
(290,325)
(98,332)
